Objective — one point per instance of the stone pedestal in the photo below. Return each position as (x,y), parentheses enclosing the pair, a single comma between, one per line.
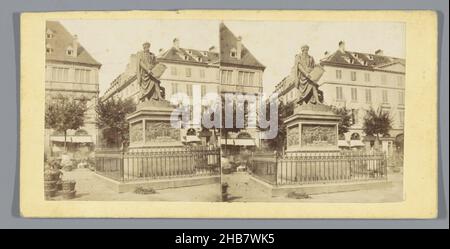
(150,127)
(312,128)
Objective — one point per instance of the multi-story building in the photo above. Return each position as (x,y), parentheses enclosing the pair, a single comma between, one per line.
(359,81)
(240,72)
(185,69)
(71,71)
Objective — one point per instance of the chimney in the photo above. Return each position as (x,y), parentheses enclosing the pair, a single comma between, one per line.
(176,43)
(75,46)
(379,52)
(212,49)
(342,46)
(239,47)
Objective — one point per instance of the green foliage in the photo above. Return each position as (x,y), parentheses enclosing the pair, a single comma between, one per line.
(346,119)
(111,119)
(377,122)
(64,113)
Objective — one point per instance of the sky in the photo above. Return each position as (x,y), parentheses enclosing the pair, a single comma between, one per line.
(111,42)
(274,44)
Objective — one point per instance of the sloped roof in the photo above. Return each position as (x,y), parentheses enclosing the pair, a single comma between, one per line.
(227,42)
(358,59)
(61,40)
(190,55)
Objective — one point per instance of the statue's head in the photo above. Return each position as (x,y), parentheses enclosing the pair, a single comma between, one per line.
(146,46)
(305,49)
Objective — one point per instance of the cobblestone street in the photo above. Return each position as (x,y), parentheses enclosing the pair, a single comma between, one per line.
(89,187)
(241,188)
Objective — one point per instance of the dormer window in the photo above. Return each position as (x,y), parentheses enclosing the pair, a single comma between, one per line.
(48,49)
(233,53)
(199,59)
(70,51)
(189,51)
(186,57)
(49,34)
(205,53)
(370,57)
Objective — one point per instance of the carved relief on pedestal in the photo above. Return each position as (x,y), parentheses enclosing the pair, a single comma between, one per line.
(161,132)
(319,135)
(292,135)
(136,132)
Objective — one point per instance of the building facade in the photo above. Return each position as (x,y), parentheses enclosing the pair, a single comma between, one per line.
(70,71)
(359,81)
(242,73)
(186,70)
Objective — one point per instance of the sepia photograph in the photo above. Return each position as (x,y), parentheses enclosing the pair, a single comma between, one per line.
(228,114)
(125,111)
(111,87)
(339,89)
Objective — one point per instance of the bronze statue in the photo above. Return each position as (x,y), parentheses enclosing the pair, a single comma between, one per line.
(307,74)
(148,83)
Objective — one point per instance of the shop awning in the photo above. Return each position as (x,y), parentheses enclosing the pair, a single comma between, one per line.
(356,143)
(229,141)
(72,139)
(343,143)
(192,139)
(244,142)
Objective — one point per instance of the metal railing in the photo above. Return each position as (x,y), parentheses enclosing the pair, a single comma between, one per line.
(158,163)
(319,167)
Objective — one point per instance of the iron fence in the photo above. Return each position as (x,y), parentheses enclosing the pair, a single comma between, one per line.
(158,163)
(319,167)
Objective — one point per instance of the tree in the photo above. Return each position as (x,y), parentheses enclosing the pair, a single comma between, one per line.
(284,111)
(346,119)
(377,123)
(111,118)
(63,113)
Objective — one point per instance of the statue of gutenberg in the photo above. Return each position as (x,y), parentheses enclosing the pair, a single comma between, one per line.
(308,89)
(149,85)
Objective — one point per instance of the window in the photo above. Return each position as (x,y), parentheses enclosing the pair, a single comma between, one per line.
(339,94)
(174,88)
(354,116)
(383,78)
(367,77)
(240,78)
(88,76)
(246,78)
(401,98)
(188,72)
(82,76)
(189,90)
(401,117)
(69,51)
(53,73)
(233,53)
(354,94)
(338,74)
(66,74)
(400,81)
(48,49)
(49,34)
(173,71)
(353,76)
(226,76)
(368,96)
(251,77)
(202,73)
(203,90)
(385,96)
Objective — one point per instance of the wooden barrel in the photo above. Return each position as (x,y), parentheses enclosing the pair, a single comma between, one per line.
(49,185)
(68,194)
(68,185)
